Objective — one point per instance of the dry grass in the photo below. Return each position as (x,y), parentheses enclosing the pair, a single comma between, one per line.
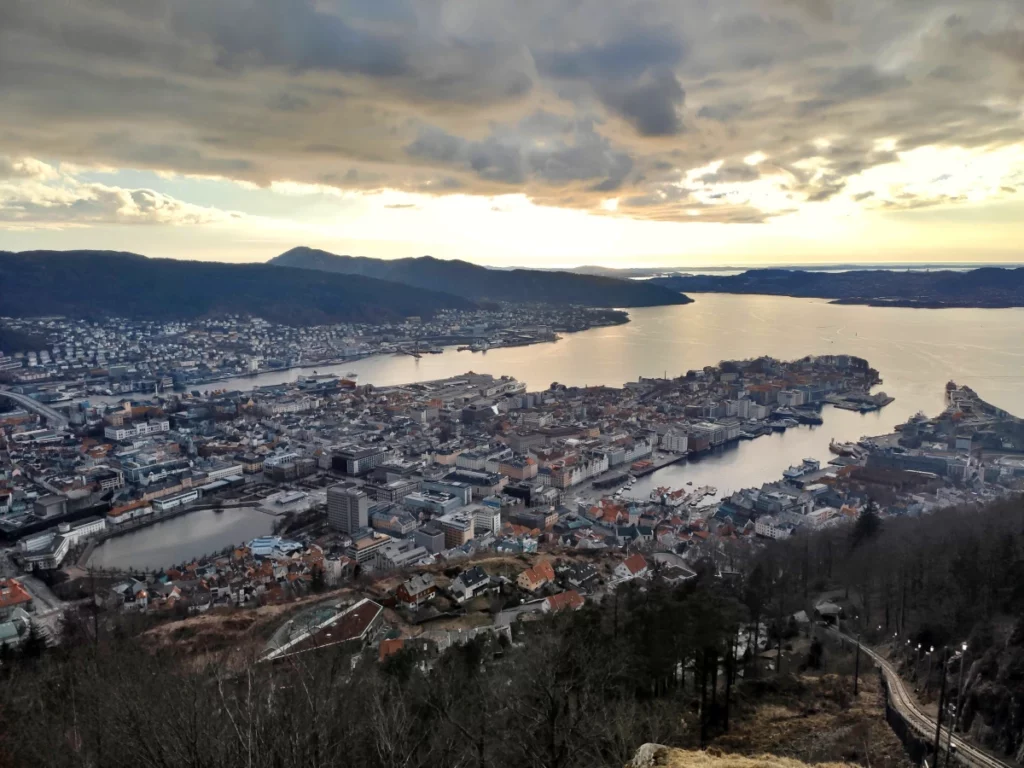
(224,634)
(815,718)
(655,756)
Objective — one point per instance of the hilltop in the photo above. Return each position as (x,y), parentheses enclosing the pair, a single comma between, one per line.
(474,282)
(90,284)
(985,287)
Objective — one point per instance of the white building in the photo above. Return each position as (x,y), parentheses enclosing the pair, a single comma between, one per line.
(176,500)
(791,397)
(223,469)
(44,556)
(81,530)
(633,567)
(128,432)
(771,528)
(486,520)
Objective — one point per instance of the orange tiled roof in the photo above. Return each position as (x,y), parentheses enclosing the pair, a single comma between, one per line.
(635,563)
(13,594)
(566,600)
(390,647)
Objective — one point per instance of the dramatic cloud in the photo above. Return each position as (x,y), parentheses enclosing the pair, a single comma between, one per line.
(36,195)
(642,108)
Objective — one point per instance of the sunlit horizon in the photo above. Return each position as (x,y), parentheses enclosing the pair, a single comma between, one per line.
(653,135)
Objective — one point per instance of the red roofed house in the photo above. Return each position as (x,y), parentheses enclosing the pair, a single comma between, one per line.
(390,647)
(534,578)
(563,601)
(633,567)
(12,595)
(417,590)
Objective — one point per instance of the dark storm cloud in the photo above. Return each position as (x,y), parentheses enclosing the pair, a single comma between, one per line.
(543,147)
(632,75)
(732,173)
(294,34)
(629,56)
(570,104)
(651,104)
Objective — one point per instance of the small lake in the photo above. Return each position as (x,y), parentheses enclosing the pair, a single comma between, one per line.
(181,539)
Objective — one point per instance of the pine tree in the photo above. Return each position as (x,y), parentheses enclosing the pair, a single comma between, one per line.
(317,582)
(867,526)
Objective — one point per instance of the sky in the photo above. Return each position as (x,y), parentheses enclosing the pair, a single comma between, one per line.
(619,133)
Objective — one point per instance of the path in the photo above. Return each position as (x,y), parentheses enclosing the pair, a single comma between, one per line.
(904,703)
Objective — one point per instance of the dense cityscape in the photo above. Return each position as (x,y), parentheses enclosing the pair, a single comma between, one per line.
(120,355)
(385,490)
(511,385)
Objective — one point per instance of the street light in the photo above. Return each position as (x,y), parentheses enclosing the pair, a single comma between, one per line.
(959,698)
(942,705)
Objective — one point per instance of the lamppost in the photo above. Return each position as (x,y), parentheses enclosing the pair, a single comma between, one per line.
(942,704)
(959,698)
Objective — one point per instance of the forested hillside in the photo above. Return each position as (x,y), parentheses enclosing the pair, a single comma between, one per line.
(475,282)
(911,585)
(109,283)
(649,663)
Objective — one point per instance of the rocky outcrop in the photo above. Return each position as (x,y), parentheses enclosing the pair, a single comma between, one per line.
(993,710)
(659,756)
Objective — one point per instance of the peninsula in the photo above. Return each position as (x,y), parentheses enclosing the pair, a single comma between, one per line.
(989,287)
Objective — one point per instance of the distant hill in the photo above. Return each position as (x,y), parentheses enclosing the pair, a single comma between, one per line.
(17,341)
(985,287)
(111,283)
(479,283)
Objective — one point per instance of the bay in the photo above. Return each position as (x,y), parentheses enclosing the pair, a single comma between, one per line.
(916,352)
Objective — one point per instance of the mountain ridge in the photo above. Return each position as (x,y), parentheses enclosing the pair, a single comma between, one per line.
(86,283)
(475,282)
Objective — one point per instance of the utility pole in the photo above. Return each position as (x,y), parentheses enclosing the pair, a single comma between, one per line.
(730,671)
(938,717)
(957,706)
(856,667)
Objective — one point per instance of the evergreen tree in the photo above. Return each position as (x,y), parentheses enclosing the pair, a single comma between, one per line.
(867,526)
(317,580)
(34,645)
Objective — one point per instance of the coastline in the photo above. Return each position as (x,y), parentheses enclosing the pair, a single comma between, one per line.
(344,360)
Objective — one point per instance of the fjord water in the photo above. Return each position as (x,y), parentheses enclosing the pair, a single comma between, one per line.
(916,351)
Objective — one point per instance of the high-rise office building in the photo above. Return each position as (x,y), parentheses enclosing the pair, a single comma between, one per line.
(457,527)
(347,508)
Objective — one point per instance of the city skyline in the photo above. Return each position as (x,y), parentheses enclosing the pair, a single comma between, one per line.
(647,134)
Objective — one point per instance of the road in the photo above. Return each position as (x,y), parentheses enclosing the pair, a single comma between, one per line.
(53,416)
(904,703)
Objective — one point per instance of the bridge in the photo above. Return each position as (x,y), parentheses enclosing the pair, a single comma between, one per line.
(54,417)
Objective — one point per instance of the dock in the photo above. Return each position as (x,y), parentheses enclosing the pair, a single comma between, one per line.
(656,465)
